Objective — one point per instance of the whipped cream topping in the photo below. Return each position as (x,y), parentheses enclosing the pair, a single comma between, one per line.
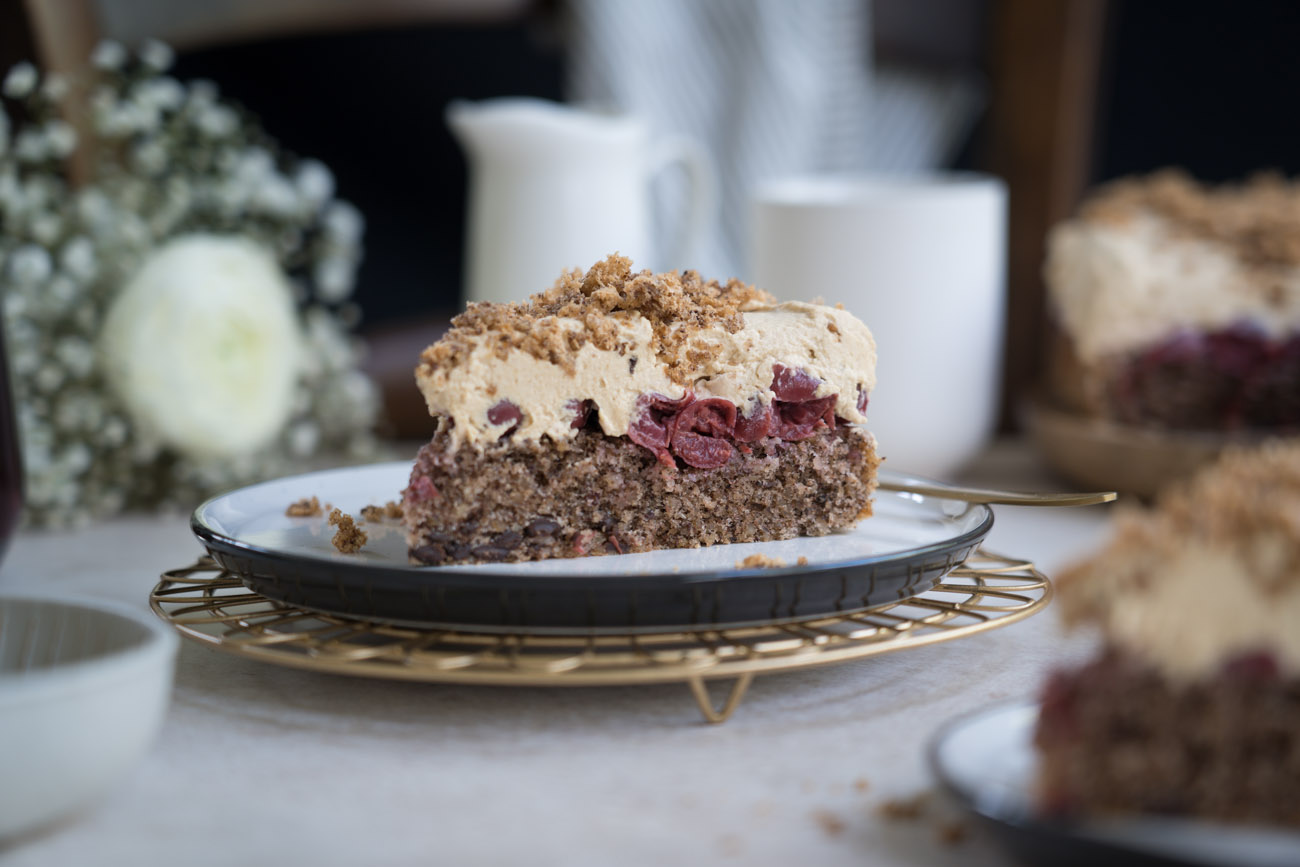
(824,342)
(1117,287)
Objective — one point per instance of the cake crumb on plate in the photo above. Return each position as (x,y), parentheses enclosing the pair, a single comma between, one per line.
(390,511)
(349,537)
(307,507)
(760,561)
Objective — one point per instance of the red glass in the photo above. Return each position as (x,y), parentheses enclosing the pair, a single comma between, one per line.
(11,470)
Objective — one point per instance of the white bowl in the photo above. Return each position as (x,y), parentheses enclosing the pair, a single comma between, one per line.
(84,686)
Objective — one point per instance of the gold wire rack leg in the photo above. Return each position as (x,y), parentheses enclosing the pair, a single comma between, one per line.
(211,606)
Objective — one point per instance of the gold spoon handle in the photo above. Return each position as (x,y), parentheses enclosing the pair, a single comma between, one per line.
(1007,498)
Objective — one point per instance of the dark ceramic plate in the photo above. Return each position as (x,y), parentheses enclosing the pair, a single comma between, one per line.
(904,549)
(986,761)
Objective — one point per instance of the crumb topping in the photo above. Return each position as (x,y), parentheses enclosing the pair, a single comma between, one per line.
(307,507)
(350,538)
(677,306)
(1258,219)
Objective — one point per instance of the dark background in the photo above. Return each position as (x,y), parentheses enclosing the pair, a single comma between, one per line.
(372,110)
(1209,86)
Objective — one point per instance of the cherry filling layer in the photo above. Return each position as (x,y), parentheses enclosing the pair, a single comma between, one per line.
(705,432)
(1234,377)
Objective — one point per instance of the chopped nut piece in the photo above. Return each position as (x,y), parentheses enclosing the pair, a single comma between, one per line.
(307,507)
(349,537)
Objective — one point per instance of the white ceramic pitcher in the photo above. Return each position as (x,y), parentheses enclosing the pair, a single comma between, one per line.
(553,187)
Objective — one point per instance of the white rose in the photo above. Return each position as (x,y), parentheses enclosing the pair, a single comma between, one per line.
(203,346)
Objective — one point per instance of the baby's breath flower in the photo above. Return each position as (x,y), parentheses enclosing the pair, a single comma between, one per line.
(11,193)
(315,183)
(114,431)
(69,255)
(21,81)
(54,88)
(343,223)
(109,55)
(15,304)
(164,93)
(46,228)
(31,146)
(203,92)
(275,196)
(216,121)
(60,138)
(149,157)
(333,279)
(76,355)
(49,377)
(78,258)
(157,55)
(303,438)
(29,265)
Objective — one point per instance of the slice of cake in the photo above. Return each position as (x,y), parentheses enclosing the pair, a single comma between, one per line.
(1193,706)
(1178,305)
(622,411)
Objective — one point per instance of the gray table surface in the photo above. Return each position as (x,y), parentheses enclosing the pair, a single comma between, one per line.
(261,764)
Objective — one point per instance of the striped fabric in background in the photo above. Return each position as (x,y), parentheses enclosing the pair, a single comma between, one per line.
(771,88)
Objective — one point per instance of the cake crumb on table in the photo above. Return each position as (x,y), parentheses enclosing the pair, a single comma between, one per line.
(390,511)
(904,809)
(307,507)
(802,561)
(861,784)
(951,833)
(756,561)
(829,822)
(350,537)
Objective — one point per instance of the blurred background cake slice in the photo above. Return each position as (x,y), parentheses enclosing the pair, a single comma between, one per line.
(1193,705)
(1178,304)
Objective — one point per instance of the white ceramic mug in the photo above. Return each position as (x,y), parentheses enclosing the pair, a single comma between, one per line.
(554,187)
(921,260)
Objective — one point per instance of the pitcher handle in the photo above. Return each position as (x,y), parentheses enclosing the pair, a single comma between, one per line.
(701,205)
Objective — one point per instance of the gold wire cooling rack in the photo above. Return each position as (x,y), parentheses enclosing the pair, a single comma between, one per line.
(211,606)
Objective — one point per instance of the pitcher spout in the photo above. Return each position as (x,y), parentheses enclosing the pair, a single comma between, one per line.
(527,127)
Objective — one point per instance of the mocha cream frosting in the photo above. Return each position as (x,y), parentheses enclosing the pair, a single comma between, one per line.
(1202,607)
(711,361)
(1117,287)
(1212,573)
